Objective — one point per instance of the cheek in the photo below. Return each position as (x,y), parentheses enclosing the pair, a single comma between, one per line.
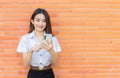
(45,24)
(35,23)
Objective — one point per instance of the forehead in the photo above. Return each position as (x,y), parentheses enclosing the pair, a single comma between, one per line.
(40,16)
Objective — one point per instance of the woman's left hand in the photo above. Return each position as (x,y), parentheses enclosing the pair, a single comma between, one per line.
(46,45)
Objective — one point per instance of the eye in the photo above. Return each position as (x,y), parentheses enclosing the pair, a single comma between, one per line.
(37,20)
(44,20)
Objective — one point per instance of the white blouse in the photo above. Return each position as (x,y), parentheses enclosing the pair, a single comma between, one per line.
(42,57)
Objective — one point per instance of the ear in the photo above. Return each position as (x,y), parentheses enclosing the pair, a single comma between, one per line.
(32,22)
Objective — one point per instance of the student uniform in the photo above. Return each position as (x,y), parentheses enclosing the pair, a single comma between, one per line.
(41,58)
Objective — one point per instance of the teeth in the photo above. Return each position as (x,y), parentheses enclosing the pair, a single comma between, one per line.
(40,26)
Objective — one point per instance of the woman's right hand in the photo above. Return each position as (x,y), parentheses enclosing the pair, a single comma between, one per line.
(35,48)
(27,56)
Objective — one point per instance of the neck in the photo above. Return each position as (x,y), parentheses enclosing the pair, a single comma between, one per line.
(39,34)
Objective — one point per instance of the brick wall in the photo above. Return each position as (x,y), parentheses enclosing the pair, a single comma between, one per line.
(88,31)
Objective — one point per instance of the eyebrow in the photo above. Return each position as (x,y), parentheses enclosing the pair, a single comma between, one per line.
(39,18)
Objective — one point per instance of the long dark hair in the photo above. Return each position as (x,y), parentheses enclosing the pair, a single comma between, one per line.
(48,28)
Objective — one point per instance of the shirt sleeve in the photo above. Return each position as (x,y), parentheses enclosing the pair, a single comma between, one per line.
(56,45)
(22,45)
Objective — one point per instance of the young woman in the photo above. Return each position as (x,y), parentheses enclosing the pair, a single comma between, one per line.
(38,52)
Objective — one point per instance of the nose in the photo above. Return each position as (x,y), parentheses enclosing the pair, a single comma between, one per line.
(40,22)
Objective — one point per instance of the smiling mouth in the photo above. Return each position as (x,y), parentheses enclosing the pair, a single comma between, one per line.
(40,26)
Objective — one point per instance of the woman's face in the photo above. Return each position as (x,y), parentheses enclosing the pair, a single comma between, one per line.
(39,22)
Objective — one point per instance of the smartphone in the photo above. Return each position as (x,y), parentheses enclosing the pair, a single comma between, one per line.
(49,37)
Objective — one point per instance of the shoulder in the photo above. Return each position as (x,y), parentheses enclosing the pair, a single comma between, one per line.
(26,36)
(56,45)
(23,39)
(54,38)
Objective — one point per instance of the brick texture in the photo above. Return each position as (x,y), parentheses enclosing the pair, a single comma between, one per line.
(88,31)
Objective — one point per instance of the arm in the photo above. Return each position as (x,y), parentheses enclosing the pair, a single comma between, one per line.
(48,46)
(28,56)
(54,57)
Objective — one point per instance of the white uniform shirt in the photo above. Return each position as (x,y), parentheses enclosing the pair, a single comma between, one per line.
(42,57)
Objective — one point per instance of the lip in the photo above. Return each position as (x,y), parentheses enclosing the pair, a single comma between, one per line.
(40,26)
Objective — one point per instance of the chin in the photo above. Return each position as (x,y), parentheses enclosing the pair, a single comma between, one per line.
(40,30)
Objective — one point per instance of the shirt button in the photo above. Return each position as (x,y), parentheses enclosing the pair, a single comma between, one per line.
(40,63)
(40,55)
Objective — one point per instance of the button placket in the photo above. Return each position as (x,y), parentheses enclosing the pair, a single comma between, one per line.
(41,65)
(40,59)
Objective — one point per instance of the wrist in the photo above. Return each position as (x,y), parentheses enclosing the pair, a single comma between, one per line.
(31,50)
(50,49)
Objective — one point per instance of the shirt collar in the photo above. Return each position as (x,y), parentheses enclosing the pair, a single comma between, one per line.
(32,34)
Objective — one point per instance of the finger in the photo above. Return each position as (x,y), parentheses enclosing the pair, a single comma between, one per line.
(44,46)
(45,42)
(36,48)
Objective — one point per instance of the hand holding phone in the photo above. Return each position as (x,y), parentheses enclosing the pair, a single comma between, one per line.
(47,41)
(49,37)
